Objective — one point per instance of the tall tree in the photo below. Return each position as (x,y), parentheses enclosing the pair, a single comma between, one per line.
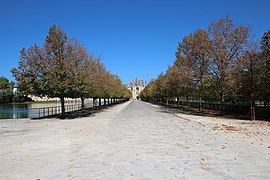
(264,75)
(195,47)
(59,61)
(47,71)
(81,62)
(228,44)
(30,72)
(182,71)
(63,68)
(6,90)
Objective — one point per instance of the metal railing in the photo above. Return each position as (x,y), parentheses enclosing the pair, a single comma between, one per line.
(17,111)
(262,112)
(44,112)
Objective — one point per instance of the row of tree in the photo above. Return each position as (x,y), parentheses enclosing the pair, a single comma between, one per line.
(64,68)
(222,64)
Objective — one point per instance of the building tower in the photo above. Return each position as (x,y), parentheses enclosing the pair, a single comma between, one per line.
(136,86)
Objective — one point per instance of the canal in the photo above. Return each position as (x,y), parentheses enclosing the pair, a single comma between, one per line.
(29,110)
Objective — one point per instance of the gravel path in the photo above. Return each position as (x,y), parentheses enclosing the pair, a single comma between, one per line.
(135,140)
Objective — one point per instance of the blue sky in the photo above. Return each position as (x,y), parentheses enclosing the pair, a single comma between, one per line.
(135,38)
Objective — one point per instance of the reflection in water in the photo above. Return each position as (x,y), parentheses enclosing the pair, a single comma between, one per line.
(15,111)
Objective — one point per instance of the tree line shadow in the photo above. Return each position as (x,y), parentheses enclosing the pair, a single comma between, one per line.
(194,111)
(86,112)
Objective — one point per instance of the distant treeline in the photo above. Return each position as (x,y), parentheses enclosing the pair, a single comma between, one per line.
(222,64)
(64,68)
(7,93)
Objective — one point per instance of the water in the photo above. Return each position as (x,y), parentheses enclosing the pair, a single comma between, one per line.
(12,111)
(16,111)
(31,110)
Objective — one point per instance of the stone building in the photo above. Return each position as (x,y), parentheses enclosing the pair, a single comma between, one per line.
(136,86)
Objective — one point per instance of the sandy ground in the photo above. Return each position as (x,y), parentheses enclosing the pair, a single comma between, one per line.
(135,140)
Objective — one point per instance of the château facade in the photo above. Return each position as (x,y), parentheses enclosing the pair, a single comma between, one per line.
(136,86)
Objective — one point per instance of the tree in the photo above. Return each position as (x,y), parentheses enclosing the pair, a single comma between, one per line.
(181,72)
(179,81)
(82,64)
(29,73)
(265,42)
(6,90)
(48,71)
(59,65)
(265,68)
(161,92)
(146,92)
(264,71)
(228,44)
(195,48)
(64,68)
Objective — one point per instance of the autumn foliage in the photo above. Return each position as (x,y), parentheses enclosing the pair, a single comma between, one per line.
(64,68)
(222,64)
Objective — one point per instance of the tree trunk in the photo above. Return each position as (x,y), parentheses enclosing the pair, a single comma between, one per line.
(221,107)
(252,102)
(94,102)
(104,101)
(99,102)
(200,91)
(62,99)
(200,103)
(177,99)
(268,111)
(82,106)
(253,110)
(252,93)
